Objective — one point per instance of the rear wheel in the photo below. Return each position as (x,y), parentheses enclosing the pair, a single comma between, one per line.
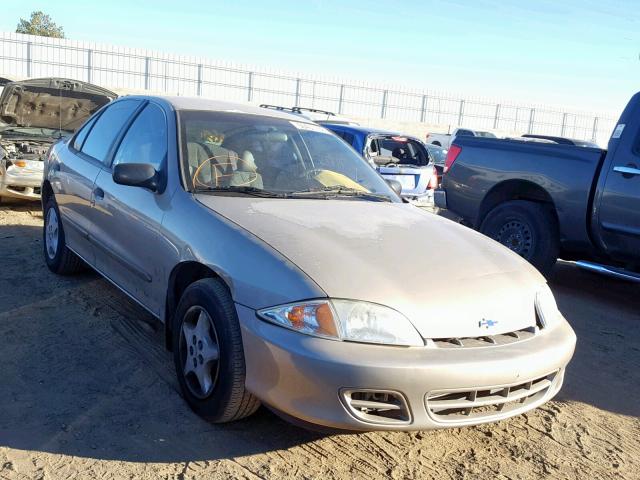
(57,256)
(208,353)
(527,228)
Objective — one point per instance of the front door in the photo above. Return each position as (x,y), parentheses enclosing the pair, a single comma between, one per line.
(127,231)
(619,207)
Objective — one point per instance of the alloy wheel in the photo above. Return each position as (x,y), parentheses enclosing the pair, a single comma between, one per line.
(51,233)
(199,352)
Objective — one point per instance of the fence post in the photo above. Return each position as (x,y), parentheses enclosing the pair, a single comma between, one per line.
(532,114)
(199,84)
(297,93)
(423,109)
(147,62)
(594,134)
(383,112)
(564,124)
(461,113)
(496,117)
(341,98)
(28,59)
(89,64)
(250,87)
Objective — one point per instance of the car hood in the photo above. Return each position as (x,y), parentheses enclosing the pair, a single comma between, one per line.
(444,277)
(55,103)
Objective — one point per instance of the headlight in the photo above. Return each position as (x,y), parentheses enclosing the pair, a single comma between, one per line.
(546,307)
(346,320)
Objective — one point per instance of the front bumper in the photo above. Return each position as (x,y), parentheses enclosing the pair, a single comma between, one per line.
(23,183)
(307,378)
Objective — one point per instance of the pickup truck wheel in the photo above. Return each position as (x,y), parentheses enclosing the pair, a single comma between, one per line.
(208,353)
(527,228)
(57,256)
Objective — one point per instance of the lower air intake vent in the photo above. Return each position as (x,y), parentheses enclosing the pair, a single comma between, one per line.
(457,406)
(377,406)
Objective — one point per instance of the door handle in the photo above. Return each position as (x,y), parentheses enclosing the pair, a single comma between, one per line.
(630,171)
(98,194)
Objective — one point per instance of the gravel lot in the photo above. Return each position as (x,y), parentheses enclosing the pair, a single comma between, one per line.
(88,392)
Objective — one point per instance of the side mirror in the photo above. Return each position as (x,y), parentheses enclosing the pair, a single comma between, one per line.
(395,185)
(137,175)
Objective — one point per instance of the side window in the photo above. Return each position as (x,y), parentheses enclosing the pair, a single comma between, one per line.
(463,133)
(82,134)
(146,139)
(107,127)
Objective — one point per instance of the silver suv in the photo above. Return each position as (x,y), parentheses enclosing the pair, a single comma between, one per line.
(268,247)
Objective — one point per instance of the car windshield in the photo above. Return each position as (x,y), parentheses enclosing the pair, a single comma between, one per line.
(254,154)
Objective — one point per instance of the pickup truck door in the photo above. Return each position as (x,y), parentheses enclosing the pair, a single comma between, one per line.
(618,202)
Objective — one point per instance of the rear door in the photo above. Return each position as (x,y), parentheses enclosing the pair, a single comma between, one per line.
(77,170)
(618,208)
(128,219)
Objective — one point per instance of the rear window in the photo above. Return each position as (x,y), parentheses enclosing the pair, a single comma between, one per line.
(405,150)
(485,134)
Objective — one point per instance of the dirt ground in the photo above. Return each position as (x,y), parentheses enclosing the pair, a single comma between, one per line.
(87,391)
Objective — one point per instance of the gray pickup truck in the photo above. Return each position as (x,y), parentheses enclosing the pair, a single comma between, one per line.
(547,201)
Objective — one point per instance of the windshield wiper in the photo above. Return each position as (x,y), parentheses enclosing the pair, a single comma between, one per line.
(335,191)
(242,190)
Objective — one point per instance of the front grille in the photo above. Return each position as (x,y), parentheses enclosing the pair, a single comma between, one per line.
(485,340)
(377,406)
(461,406)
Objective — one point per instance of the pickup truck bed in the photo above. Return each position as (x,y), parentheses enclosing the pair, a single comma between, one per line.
(547,201)
(558,174)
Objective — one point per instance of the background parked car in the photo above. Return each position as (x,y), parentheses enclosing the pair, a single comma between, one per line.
(397,157)
(446,139)
(27,133)
(546,200)
(315,115)
(439,155)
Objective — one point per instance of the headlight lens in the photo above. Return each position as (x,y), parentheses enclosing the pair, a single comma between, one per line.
(546,307)
(346,320)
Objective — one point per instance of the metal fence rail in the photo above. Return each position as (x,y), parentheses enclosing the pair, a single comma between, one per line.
(126,68)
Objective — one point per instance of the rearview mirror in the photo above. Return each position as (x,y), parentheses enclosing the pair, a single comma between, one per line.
(137,175)
(395,185)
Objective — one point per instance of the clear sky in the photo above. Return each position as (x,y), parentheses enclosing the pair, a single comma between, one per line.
(582,54)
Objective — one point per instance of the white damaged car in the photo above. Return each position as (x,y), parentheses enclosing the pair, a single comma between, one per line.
(33,115)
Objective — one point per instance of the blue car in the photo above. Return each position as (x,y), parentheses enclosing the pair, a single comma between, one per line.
(397,157)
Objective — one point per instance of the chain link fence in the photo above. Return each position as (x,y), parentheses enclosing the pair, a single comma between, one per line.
(134,69)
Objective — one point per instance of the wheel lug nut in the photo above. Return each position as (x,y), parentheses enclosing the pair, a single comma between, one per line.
(200,359)
(191,350)
(195,362)
(200,345)
(193,339)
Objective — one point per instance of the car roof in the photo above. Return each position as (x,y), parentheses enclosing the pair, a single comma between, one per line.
(207,104)
(360,129)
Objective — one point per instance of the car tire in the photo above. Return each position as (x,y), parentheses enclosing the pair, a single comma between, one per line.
(528,228)
(206,321)
(57,255)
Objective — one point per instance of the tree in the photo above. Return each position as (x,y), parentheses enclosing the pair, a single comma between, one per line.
(40,24)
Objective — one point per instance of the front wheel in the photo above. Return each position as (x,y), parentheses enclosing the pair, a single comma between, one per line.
(208,353)
(528,228)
